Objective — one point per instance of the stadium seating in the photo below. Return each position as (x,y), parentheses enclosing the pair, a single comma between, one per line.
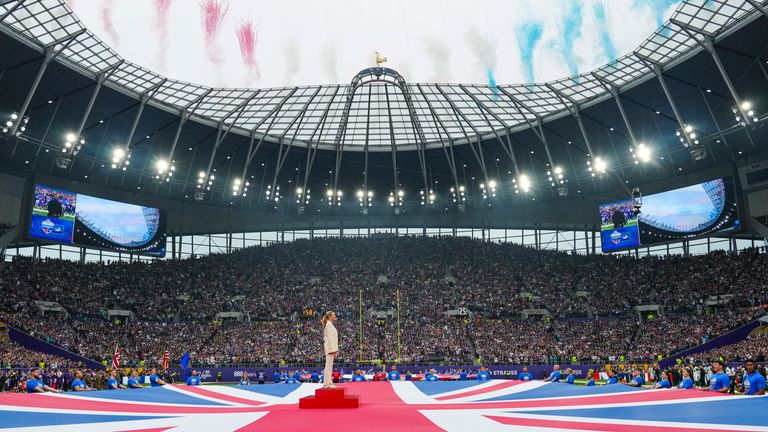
(176,302)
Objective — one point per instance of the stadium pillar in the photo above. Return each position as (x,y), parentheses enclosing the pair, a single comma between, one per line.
(574,242)
(594,241)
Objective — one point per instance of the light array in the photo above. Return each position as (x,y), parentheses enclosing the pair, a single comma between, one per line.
(746,107)
(201,181)
(365,199)
(273,195)
(689,132)
(334,196)
(13,120)
(427,197)
(302,194)
(121,158)
(641,153)
(489,189)
(522,183)
(458,195)
(239,187)
(72,144)
(165,170)
(597,165)
(396,199)
(556,176)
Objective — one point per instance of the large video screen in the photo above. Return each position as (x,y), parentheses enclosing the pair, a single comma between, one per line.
(72,218)
(693,211)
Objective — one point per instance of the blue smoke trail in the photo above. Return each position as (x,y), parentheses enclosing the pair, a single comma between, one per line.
(658,7)
(570,31)
(528,36)
(492,83)
(603,31)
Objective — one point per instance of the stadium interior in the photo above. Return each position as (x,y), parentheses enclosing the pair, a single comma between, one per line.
(561,221)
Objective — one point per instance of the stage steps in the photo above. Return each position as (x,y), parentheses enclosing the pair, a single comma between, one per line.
(330,398)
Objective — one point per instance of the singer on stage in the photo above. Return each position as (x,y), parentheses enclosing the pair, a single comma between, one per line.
(331,347)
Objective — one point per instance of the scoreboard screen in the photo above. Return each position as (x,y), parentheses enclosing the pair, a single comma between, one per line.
(73,218)
(680,214)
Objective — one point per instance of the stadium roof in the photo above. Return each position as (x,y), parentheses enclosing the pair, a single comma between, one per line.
(444,134)
(444,111)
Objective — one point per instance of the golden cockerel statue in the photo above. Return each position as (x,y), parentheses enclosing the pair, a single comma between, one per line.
(379,59)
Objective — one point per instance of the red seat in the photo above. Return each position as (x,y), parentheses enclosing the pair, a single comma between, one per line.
(330,398)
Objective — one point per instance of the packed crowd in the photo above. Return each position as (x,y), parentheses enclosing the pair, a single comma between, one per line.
(405,282)
(754,347)
(13,355)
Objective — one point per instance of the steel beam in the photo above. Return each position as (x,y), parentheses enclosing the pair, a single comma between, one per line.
(449,156)
(457,113)
(656,69)
(10,11)
(321,127)
(759,7)
(575,110)
(508,150)
(614,91)
(300,117)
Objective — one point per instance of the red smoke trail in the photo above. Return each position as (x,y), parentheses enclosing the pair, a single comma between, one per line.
(161,20)
(213,13)
(248,37)
(106,21)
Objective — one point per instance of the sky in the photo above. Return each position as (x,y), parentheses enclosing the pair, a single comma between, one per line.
(124,222)
(259,43)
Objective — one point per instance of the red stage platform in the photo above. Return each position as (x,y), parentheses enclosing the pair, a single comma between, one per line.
(330,398)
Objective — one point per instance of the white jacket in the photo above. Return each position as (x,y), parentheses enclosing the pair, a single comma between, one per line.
(330,338)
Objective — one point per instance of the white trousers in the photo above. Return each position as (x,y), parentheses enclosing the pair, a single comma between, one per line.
(328,369)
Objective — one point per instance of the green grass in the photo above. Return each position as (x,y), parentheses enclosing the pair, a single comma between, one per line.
(609,226)
(45,213)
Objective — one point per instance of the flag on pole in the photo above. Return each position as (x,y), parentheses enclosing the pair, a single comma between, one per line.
(116,358)
(184,363)
(166,359)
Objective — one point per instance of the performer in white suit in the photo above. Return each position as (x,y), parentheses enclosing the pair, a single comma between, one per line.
(330,347)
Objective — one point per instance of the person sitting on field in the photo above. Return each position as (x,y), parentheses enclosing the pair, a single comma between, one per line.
(134,382)
(637,380)
(663,382)
(358,376)
(570,377)
(79,385)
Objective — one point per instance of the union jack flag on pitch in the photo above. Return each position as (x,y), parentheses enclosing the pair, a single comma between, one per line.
(496,405)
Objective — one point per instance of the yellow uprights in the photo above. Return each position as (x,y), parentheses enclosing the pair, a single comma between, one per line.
(361,325)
